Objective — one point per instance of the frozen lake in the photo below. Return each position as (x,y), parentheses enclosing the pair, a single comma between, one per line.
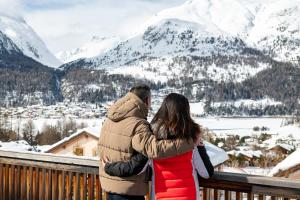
(241,126)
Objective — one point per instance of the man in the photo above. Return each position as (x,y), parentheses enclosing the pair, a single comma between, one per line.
(126,132)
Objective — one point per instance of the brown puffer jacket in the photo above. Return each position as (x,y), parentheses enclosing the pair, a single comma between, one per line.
(125,132)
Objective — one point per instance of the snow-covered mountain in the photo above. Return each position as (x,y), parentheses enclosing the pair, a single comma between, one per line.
(170,37)
(24,37)
(208,50)
(23,80)
(276,30)
(92,48)
(215,16)
(271,27)
(174,47)
(7,46)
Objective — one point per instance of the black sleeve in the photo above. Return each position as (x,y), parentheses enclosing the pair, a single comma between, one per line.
(128,168)
(209,167)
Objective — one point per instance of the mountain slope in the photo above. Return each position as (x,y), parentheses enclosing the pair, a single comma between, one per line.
(93,48)
(24,81)
(271,26)
(173,48)
(27,40)
(276,30)
(215,16)
(196,27)
(7,46)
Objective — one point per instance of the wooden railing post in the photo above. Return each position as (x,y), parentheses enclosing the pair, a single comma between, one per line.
(227,195)
(216,194)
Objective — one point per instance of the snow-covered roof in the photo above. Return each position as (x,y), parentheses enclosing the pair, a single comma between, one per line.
(248,153)
(289,162)
(94,130)
(284,146)
(217,155)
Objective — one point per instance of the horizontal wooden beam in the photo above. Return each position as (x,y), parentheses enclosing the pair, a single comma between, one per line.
(274,191)
(51,158)
(52,166)
(257,180)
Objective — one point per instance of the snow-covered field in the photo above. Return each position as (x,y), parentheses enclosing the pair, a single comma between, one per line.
(244,126)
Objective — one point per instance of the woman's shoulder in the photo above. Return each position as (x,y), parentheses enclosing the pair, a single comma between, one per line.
(158,129)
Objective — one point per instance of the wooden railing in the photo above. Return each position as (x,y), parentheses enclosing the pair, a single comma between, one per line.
(227,186)
(51,177)
(47,177)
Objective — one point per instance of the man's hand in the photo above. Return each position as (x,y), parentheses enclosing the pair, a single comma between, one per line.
(104,161)
(199,142)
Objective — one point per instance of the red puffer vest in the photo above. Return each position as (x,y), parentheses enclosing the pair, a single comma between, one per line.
(174,179)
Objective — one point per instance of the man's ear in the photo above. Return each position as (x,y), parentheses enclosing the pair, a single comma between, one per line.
(147,102)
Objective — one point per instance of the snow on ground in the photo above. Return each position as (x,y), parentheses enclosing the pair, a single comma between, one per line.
(233,170)
(197,108)
(244,126)
(20,146)
(139,72)
(293,130)
(92,48)
(291,161)
(15,146)
(257,171)
(159,70)
(289,133)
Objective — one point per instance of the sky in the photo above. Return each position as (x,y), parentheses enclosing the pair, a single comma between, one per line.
(67,24)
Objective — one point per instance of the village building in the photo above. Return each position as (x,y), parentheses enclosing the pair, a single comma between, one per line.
(289,167)
(279,151)
(244,158)
(84,142)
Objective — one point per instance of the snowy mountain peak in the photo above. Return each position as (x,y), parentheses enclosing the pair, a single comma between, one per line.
(92,48)
(214,16)
(27,40)
(277,30)
(208,30)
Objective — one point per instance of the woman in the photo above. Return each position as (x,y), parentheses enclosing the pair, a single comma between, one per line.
(175,177)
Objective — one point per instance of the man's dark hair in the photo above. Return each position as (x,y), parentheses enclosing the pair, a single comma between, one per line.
(142,91)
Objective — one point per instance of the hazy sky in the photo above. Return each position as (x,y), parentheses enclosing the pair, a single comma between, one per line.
(65,24)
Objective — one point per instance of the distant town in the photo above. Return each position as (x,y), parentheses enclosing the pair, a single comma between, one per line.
(249,145)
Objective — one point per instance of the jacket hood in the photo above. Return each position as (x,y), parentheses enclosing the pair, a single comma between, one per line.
(128,106)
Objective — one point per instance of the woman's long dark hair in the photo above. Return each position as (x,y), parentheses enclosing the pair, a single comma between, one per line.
(174,115)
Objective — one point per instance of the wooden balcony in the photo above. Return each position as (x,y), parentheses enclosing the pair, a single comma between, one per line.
(50,177)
